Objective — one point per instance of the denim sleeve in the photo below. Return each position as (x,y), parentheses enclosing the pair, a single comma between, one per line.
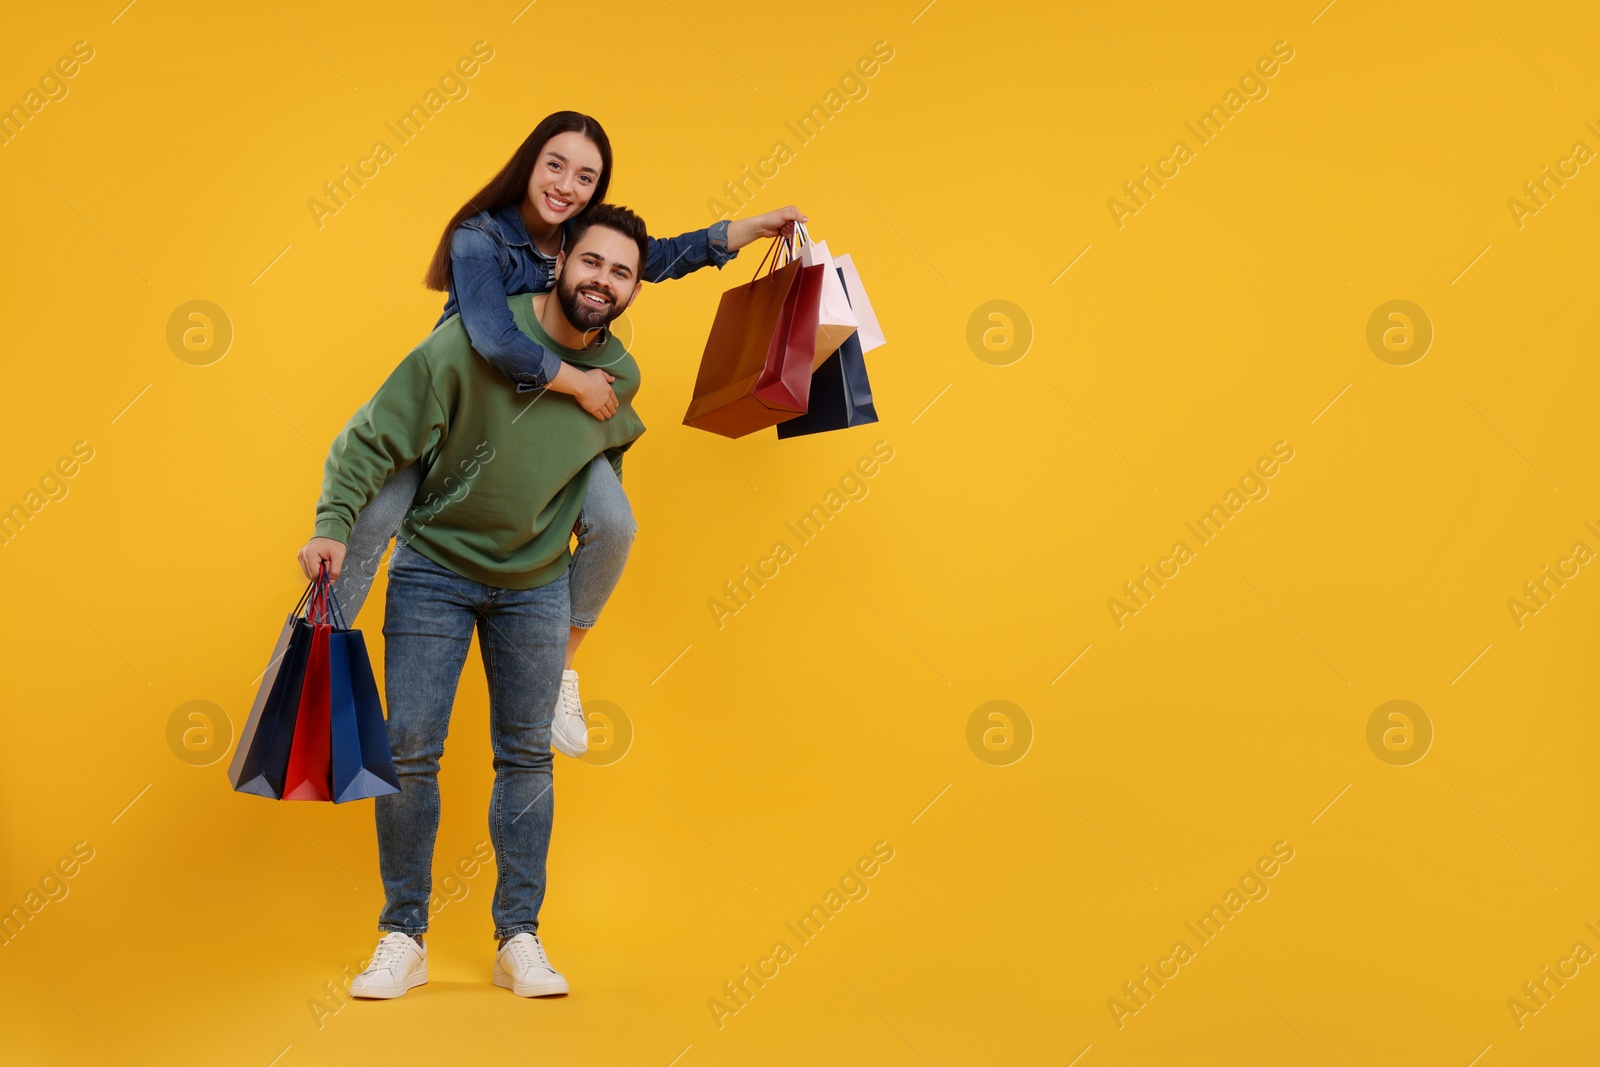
(673,257)
(481,296)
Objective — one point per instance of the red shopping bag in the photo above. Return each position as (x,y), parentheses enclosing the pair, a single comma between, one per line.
(308,773)
(756,369)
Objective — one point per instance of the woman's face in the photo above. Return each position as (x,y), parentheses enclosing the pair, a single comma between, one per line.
(564,177)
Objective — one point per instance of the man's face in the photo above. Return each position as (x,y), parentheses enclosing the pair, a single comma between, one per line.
(598,278)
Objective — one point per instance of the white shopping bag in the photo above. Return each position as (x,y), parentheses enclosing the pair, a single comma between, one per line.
(867,328)
(835,319)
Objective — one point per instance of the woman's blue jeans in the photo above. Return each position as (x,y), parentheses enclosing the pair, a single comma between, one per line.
(605,532)
(522,634)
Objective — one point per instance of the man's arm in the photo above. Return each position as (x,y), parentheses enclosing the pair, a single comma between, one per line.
(390,431)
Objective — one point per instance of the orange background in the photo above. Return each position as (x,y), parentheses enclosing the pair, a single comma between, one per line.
(1040,460)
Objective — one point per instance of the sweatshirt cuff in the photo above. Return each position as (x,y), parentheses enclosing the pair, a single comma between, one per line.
(337,529)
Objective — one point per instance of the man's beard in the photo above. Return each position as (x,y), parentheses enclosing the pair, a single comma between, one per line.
(582,314)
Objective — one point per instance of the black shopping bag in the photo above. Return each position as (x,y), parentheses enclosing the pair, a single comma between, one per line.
(263,754)
(841,395)
(262,758)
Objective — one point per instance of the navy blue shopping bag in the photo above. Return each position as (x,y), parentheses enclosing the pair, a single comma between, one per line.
(260,761)
(362,764)
(841,395)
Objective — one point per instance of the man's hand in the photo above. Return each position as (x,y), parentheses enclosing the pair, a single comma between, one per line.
(319,550)
(742,231)
(596,395)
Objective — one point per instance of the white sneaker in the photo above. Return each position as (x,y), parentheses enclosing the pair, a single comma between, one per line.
(569,734)
(399,965)
(522,968)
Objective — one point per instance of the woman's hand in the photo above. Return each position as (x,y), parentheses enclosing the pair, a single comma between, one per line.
(596,395)
(320,550)
(590,388)
(742,231)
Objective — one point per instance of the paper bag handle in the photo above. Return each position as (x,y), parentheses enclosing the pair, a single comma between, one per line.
(783,241)
(320,603)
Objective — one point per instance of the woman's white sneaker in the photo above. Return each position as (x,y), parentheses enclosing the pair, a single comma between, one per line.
(569,734)
(398,965)
(522,968)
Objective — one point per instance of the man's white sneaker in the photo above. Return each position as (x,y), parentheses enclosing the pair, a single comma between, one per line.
(522,968)
(569,734)
(398,965)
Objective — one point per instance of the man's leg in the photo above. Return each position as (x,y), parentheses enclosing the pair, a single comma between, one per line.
(427,631)
(522,635)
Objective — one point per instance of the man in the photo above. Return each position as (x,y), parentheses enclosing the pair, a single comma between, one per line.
(484,545)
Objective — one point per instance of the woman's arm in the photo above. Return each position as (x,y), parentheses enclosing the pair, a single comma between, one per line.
(475,272)
(673,257)
(742,231)
(591,388)
(481,296)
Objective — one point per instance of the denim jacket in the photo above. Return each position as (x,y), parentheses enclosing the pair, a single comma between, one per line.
(492,257)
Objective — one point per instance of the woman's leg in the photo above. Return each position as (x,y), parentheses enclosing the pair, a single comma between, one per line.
(605,535)
(375,527)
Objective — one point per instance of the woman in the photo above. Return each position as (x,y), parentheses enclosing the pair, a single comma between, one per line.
(504,241)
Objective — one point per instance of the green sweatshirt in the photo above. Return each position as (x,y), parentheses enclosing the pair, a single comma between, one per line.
(504,473)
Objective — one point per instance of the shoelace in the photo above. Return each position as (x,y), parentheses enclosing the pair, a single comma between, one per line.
(569,700)
(391,953)
(529,952)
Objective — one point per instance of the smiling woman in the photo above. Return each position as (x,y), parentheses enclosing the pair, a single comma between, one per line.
(540,224)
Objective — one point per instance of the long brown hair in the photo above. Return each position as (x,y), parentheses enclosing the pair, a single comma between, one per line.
(510,186)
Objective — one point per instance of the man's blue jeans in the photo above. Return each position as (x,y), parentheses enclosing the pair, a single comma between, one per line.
(522,634)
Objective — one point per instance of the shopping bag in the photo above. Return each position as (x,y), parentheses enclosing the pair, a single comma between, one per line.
(841,396)
(252,724)
(835,318)
(867,329)
(267,755)
(757,365)
(263,754)
(362,764)
(791,381)
(307,775)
